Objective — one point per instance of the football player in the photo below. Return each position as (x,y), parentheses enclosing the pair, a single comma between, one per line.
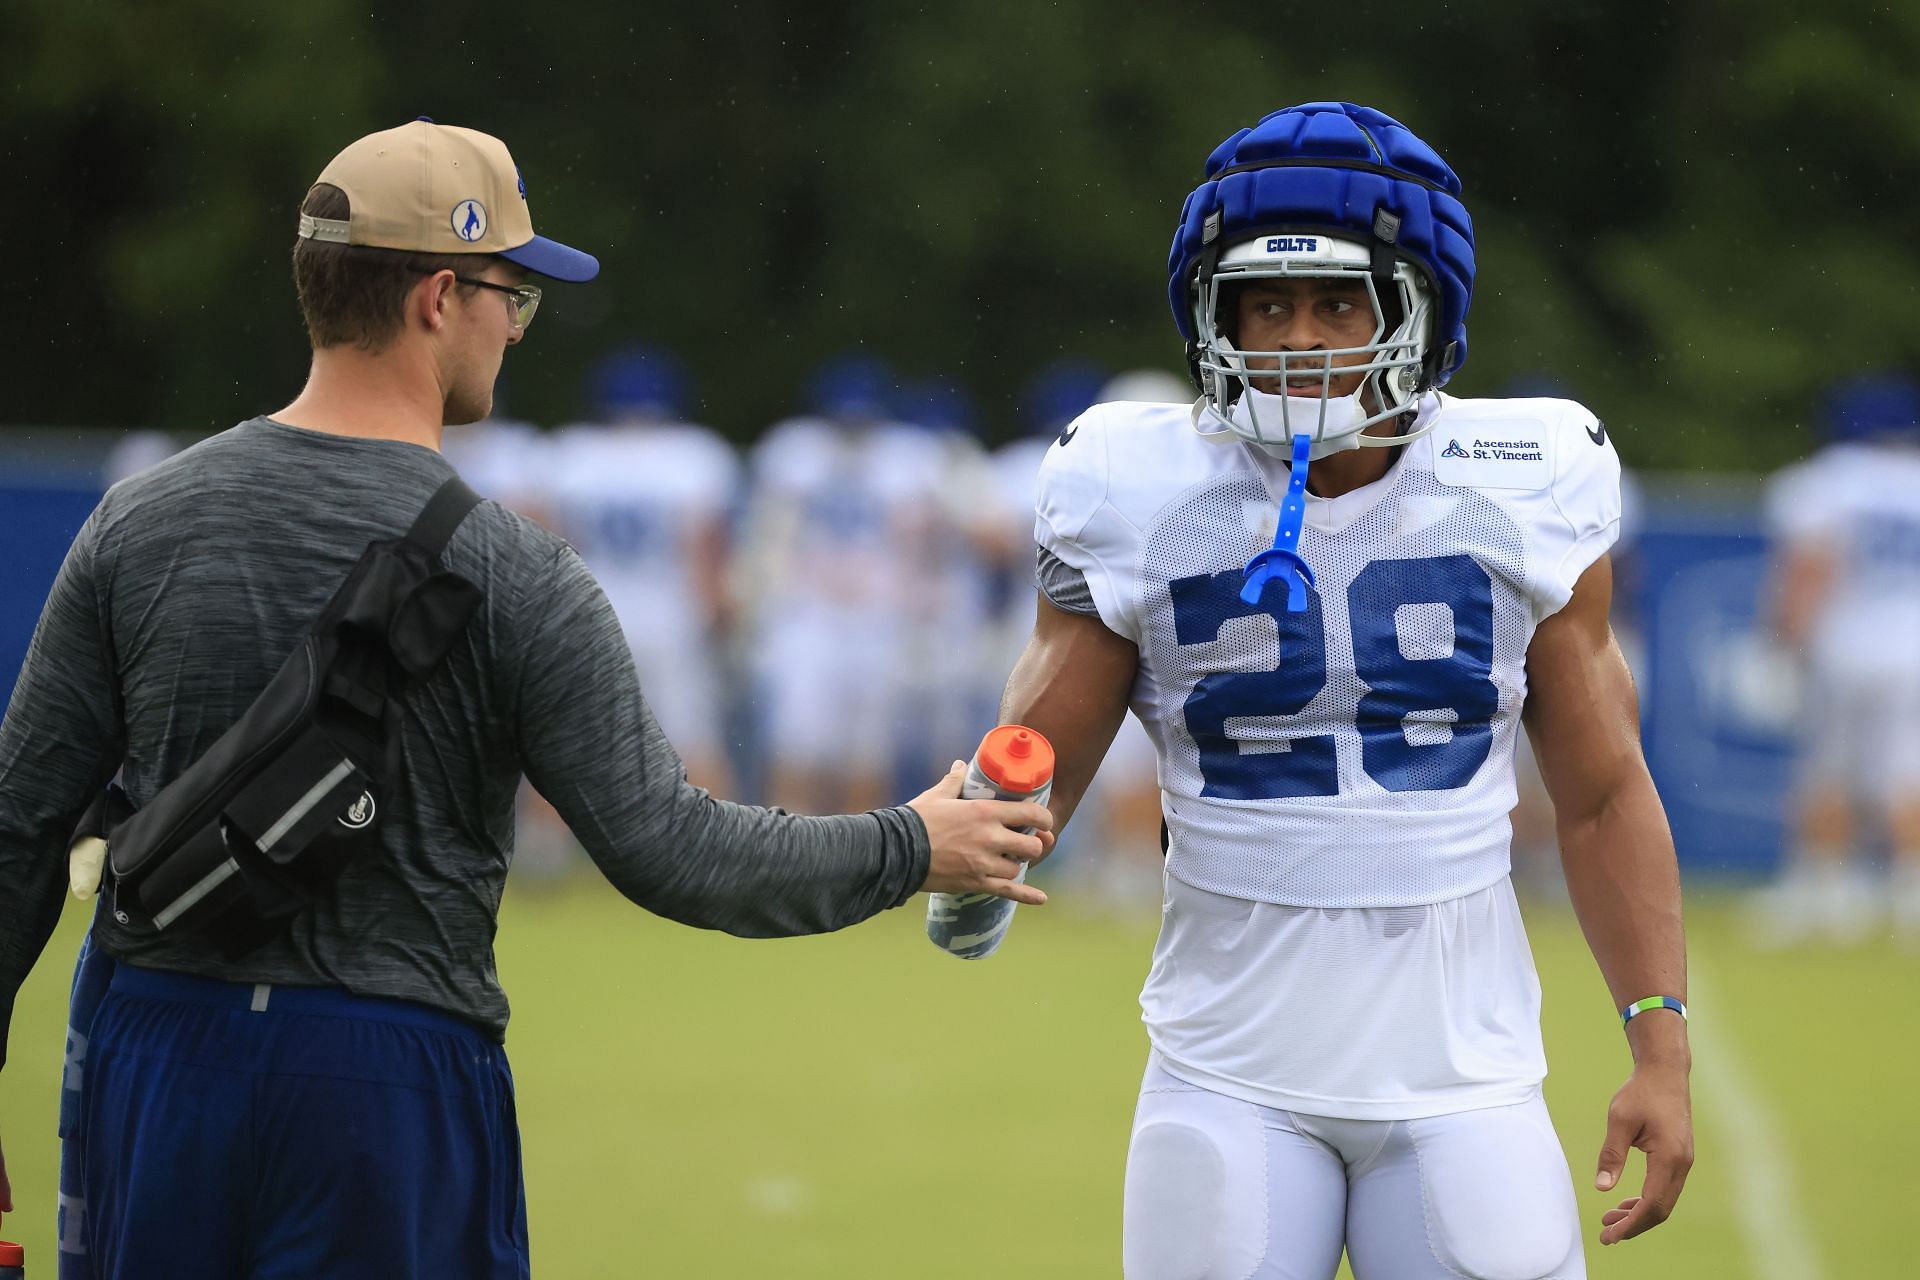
(1333,594)
(134,452)
(645,497)
(1845,601)
(948,690)
(501,456)
(844,502)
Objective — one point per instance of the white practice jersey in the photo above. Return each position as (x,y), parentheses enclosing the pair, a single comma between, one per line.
(503,459)
(1860,502)
(633,501)
(844,516)
(1016,490)
(954,587)
(1016,469)
(135,452)
(1357,755)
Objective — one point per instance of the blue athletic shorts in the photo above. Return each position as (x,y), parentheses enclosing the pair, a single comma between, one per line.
(92,971)
(268,1132)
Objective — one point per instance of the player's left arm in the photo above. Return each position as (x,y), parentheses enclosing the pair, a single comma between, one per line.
(1617,851)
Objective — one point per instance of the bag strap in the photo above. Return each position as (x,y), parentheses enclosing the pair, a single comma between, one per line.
(444,511)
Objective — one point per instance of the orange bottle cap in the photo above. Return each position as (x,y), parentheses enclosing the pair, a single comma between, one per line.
(1016,759)
(12,1255)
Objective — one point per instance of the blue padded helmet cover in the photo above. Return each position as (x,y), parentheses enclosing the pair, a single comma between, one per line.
(1872,405)
(1266,179)
(851,384)
(1059,393)
(639,378)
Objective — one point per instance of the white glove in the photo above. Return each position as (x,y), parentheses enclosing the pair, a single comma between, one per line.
(85,862)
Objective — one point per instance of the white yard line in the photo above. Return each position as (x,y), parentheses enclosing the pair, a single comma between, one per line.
(1752,1148)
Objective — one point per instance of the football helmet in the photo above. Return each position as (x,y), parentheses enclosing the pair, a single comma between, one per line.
(1881,406)
(1326,189)
(640,382)
(852,387)
(1059,393)
(938,404)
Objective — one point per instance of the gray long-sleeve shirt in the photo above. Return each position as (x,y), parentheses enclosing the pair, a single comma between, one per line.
(183,594)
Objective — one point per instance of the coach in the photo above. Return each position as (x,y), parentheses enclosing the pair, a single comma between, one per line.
(338,1102)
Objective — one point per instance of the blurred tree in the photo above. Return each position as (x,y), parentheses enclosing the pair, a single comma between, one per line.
(1691,216)
(158,154)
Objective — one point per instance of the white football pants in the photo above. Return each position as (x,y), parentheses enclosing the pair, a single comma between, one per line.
(1219,1189)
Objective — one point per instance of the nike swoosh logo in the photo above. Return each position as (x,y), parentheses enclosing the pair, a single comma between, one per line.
(1067,433)
(1597,433)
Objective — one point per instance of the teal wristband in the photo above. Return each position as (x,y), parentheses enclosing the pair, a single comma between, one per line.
(1652,1002)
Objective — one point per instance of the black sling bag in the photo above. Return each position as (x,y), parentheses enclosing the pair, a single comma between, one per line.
(261,826)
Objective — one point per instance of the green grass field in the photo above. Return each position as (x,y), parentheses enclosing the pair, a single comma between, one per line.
(861,1105)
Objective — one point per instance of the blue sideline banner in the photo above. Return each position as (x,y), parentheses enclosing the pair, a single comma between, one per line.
(1719,701)
(38,518)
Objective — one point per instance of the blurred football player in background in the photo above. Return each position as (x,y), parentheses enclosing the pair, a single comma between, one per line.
(510,460)
(1051,398)
(1844,596)
(843,502)
(504,458)
(1332,647)
(134,452)
(941,698)
(645,496)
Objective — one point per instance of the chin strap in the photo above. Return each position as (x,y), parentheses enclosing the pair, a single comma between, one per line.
(1282,559)
(1203,274)
(1381,260)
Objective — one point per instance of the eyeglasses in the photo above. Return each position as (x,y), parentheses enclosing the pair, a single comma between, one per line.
(525,298)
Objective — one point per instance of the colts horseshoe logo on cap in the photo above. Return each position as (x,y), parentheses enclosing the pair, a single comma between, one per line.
(469,220)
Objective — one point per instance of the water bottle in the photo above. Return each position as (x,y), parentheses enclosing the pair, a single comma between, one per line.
(13,1261)
(1013,763)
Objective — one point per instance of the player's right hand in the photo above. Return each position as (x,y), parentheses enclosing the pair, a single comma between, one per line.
(977,844)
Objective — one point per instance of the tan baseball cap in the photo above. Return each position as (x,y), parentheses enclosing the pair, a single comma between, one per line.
(434,188)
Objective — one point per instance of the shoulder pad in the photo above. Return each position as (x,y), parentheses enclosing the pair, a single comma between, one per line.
(1586,473)
(1073,475)
(1137,456)
(1500,444)
(1552,466)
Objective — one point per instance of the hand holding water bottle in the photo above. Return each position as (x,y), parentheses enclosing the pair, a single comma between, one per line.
(982,845)
(1014,765)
